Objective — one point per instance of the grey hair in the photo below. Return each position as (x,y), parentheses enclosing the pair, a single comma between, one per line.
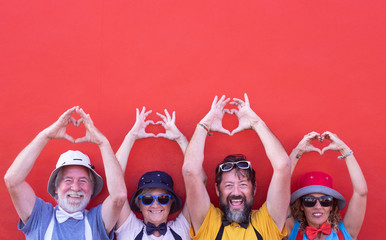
(59,177)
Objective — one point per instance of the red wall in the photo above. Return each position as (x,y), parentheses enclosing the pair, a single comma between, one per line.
(306,65)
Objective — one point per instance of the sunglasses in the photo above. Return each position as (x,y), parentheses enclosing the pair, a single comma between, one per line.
(227,166)
(310,201)
(162,199)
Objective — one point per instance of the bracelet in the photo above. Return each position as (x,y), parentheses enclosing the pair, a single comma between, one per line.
(298,156)
(206,128)
(346,155)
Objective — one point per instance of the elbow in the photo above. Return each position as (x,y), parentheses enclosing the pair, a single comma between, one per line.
(9,181)
(187,170)
(284,167)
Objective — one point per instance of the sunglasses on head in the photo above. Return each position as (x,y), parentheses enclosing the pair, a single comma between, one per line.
(227,166)
(162,199)
(310,201)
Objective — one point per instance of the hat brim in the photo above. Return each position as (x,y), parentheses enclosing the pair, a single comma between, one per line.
(319,189)
(176,205)
(98,185)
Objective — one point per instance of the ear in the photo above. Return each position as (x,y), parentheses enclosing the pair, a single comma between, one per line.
(254,191)
(217,191)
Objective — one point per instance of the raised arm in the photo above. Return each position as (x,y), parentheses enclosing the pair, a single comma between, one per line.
(22,194)
(174,134)
(136,132)
(116,187)
(353,219)
(197,198)
(278,195)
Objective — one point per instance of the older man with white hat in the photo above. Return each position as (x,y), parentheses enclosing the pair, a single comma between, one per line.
(73,183)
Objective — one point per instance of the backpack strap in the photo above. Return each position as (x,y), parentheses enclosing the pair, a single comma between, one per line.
(221,232)
(140,235)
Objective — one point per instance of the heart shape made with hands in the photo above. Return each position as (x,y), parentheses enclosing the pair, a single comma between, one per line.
(324,146)
(75,130)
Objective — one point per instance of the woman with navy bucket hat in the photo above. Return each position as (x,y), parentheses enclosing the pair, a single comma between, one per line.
(154,198)
(315,204)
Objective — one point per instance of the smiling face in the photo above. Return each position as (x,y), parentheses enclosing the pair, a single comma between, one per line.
(155,213)
(236,195)
(317,214)
(74,189)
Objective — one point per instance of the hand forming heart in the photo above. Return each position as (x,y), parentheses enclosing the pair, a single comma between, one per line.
(305,144)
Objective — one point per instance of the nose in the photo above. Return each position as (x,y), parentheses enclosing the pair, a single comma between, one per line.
(236,191)
(75,187)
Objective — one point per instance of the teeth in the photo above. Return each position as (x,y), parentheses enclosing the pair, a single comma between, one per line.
(317,214)
(154,211)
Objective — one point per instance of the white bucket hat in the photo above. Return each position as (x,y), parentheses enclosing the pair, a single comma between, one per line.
(71,158)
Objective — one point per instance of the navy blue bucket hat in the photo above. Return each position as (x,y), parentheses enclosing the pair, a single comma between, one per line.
(156,179)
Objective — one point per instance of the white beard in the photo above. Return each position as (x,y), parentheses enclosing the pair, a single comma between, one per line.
(72,206)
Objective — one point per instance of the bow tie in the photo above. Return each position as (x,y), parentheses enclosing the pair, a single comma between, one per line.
(151,228)
(312,232)
(225,222)
(62,215)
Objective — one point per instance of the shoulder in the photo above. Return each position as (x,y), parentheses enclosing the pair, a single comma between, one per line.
(130,228)
(39,219)
(264,223)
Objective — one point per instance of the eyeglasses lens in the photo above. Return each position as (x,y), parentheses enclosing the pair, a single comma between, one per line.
(324,201)
(162,199)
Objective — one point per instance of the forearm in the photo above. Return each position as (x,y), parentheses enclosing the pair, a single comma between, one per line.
(294,157)
(194,155)
(24,162)
(124,150)
(114,174)
(183,143)
(357,178)
(273,148)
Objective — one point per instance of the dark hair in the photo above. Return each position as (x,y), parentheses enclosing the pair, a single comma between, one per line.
(248,173)
(298,214)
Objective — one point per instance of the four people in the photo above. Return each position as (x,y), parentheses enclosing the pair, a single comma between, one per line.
(315,204)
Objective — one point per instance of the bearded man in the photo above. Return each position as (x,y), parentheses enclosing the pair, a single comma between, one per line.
(235,182)
(73,183)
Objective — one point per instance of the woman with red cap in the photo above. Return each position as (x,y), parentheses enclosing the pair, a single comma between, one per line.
(315,205)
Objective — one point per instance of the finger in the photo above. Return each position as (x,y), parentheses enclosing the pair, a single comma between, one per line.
(149,122)
(81,140)
(161,116)
(68,138)
(147,135)
(236,130)
(174,116)
(214,101)
(329,147)
(228,111)
(223,130)
(163,135)
(147,113)
(143,110)
(246,99)
(314,149)
(167,115)
(73,121)
(163,124)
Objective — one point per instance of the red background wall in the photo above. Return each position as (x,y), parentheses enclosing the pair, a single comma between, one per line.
(306,65)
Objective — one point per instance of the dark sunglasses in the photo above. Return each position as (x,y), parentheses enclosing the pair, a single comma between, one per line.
(227,166)
(162,199)
(310,201)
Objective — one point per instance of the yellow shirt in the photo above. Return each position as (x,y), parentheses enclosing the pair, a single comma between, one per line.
(259,218)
